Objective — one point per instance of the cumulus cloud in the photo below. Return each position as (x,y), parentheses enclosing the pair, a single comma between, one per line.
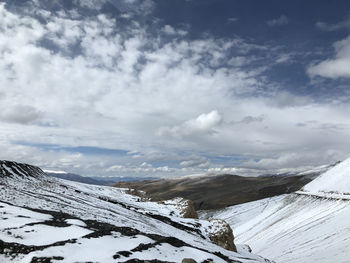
(96,81)
(20,114)
(337,67)
(140,7)
(68,75)
(92,4)
(172,31)
(204,124)
(143,168)
(197,162)
(280,21)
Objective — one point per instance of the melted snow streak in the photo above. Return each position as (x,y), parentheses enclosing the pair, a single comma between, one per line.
(44,219)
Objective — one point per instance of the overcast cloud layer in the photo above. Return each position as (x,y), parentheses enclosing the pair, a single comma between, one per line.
(108,88)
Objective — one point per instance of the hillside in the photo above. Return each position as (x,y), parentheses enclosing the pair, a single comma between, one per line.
(310,225)
(44,219)
(223,190)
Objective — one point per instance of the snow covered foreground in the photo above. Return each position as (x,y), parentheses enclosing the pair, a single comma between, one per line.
(44,219)
(311,225)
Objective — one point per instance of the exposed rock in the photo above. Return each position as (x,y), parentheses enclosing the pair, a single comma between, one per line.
(221,234)
(188,260)
(185,207)
(188,210)
(139,193)
(20,170)
(244,248)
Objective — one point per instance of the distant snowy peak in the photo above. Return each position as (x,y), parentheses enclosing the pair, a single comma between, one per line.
(15,170)
(332,183)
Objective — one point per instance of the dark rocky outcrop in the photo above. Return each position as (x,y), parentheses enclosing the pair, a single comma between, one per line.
(13,169)
(188,260)
(221,234)
(184,206)
(188,210)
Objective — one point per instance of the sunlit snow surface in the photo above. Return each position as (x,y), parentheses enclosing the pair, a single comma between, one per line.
(309,226)
(44,217)
(334,181)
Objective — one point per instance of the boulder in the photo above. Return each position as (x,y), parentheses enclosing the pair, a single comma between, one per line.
(187,209)
(221,234)
(188,260)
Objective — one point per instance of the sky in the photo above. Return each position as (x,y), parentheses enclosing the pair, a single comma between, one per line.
(170,88)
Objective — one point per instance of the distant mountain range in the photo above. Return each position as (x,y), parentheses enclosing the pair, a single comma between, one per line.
(95,180)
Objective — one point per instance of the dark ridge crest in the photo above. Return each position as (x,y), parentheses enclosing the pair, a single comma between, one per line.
(12,169)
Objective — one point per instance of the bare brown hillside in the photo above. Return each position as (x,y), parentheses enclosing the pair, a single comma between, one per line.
(213,192)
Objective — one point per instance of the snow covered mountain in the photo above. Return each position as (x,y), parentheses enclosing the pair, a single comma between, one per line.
(311,225)
(45,219)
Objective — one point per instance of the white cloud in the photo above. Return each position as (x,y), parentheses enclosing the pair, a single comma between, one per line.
(232,20)
(142,7)
(333,27)
(283,58)
(172,31)
(337,67)
(92,4)
(197,162)
(77,81)
(143,169)
(204,124)
(286,99)
(280,21)
(20,114)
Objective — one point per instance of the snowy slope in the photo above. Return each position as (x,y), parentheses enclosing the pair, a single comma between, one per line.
(293,228)
(311,225)
(44,218)
(334,181)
